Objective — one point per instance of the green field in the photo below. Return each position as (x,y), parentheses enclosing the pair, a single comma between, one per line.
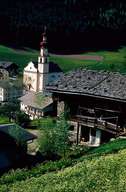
(112,60)
(4,120)
(100,170)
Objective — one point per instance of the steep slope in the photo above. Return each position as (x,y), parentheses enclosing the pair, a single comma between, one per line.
(108,173)
(99,172)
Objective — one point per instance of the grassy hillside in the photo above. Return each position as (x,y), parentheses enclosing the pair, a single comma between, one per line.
(112,60)
(101,170)
(98,175)
(21,57)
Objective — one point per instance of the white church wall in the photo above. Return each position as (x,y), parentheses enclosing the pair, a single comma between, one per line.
(43,80)
(43,68)
(30,67)
(30,80)
(30,77)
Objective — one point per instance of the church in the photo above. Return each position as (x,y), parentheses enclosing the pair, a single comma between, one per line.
(37,102)
(37,75)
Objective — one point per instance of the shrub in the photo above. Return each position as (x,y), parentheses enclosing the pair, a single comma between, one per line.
(54,136)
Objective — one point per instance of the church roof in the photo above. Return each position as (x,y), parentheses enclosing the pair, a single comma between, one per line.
(36,100)
(35,64)
(91,82)
(53,67)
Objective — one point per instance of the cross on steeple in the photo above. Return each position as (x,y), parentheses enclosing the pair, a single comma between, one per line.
(43,43)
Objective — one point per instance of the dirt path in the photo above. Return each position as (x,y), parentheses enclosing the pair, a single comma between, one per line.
(81,57)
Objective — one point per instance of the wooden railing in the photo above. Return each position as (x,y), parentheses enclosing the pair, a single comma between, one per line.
(94,122)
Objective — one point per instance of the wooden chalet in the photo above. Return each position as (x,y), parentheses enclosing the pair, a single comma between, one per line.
(97,104)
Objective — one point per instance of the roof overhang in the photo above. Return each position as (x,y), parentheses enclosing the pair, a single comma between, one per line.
(85,94)
(18,133)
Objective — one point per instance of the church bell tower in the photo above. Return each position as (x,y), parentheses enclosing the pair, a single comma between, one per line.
(43,63)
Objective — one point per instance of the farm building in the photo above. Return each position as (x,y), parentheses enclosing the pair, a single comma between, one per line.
(10,90)
(96,103)
(13,145)
(36,105)
(10,87)
(10,67)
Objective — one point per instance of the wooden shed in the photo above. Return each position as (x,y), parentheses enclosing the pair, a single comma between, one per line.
(13,144)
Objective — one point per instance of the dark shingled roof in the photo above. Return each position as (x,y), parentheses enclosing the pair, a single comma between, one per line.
(53,67)
(92,82)
(17,132)
(36,100)
(6,64)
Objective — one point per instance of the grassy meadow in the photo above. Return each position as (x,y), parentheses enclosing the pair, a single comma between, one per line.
(112,60)
(100,170)
(4,120)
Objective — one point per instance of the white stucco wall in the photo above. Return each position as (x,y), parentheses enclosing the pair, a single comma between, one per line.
(43,68)
(95,140)
(43,81)
(22,106)
(2,94)
(32,112)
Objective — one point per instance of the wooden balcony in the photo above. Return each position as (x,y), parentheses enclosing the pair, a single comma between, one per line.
(93,122)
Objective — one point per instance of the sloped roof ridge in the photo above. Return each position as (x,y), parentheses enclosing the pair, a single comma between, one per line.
(100,82)
(93,82)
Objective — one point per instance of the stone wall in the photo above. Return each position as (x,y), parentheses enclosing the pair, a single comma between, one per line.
(73,133)
(60,107)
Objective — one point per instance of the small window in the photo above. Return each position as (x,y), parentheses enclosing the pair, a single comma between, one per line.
(45,60)
(71,128)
